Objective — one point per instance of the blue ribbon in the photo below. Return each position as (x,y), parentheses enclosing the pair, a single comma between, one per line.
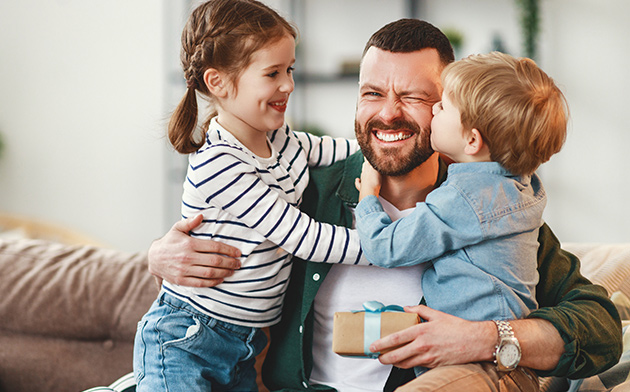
(372,323)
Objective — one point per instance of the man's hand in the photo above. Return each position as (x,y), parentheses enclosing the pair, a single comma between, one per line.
(181,259)
(441,339)
(369,183)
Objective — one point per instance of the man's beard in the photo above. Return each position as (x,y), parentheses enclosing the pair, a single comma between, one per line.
(390,161)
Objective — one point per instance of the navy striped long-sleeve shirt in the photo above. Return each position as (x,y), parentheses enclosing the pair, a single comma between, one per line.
(252,204)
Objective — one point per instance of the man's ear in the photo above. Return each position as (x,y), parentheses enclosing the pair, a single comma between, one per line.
(474,143)
(215,82)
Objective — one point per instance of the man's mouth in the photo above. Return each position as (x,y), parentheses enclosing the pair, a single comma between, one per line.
(390,137)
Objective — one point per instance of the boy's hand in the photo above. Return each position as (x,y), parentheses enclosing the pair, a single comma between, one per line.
(369,183)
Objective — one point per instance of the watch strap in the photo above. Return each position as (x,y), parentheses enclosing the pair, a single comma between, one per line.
(505,330)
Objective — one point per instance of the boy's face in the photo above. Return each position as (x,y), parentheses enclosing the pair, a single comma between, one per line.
(396,93)
(447,131)
(259,100)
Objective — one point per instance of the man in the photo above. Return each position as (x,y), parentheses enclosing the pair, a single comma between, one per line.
(575,333)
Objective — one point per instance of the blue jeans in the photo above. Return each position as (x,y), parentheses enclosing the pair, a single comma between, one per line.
(178,348)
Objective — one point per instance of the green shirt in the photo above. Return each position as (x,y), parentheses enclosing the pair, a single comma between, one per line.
(586,319)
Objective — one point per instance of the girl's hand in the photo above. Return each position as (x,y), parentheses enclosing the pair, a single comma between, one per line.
(369,183)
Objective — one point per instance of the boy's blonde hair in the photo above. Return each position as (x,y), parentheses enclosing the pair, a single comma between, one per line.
(516,107)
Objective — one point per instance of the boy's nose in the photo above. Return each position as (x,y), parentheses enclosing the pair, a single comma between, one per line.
(436,108)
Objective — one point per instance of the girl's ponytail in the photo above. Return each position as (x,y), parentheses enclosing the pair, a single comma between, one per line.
(183,123)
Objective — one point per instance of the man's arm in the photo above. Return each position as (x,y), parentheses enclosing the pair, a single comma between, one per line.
(443,339)
(581,312)
(181,259)
(576,333)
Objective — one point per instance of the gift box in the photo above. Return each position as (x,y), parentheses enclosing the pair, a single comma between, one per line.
(353,332)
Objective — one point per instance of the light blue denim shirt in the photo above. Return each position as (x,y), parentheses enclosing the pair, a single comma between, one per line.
(479,230)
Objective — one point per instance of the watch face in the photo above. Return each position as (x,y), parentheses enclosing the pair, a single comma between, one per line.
(509,355)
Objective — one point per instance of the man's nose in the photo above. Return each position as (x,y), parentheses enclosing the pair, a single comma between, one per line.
(390,110)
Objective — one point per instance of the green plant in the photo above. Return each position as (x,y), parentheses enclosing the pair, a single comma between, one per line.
(530,25)
(455,37)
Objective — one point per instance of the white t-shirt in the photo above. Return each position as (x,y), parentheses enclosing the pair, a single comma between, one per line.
(346,288)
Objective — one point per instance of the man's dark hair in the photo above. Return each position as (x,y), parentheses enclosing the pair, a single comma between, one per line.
(410,35)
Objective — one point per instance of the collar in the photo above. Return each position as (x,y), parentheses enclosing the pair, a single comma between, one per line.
(346,191)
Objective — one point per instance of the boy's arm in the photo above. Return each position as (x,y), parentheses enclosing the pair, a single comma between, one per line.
(445,222)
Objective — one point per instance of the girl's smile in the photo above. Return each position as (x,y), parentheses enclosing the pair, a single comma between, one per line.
(255,104)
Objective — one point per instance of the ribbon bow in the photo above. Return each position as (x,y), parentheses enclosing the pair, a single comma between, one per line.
(372,323)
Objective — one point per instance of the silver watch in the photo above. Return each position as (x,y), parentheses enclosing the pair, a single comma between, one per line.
(508,352)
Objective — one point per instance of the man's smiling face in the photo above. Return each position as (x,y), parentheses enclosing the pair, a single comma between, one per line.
(396,94)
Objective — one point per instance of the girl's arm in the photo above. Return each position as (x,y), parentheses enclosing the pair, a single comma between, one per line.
(325,150)
(233,185)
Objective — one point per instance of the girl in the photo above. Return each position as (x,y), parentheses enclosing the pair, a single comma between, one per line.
(246,175)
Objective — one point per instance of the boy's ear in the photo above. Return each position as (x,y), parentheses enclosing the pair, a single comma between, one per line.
(475,142)
(214,80)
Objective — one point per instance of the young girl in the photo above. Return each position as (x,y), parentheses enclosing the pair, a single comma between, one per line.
(246,175)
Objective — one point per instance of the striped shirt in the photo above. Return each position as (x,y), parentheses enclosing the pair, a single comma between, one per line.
(252,204)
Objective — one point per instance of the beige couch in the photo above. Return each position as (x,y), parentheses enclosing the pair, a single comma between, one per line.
(69,313)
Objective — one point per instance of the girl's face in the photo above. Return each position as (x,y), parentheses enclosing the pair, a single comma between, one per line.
(256,104)
(447,131)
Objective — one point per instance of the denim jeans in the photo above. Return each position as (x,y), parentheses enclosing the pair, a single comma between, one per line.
(177,348)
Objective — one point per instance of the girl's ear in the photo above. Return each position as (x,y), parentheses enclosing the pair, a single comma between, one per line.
(214,80)
(475,143)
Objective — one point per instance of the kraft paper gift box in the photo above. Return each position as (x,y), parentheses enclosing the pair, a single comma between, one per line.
(353,332)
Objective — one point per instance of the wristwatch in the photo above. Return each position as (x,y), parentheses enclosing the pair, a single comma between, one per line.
(508,352)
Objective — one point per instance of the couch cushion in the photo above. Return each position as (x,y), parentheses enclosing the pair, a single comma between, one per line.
(77,292)
(604,264)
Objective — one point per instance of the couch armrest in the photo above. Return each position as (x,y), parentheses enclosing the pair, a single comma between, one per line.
(77,292)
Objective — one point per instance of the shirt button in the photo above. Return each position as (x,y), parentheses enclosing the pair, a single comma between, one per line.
(316,277)
(301,329)
(304,384)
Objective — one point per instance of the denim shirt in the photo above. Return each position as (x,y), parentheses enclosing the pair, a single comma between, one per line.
(479,231)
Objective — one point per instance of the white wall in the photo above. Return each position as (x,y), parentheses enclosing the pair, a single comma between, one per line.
(86,87)
(81,114)
(586,49)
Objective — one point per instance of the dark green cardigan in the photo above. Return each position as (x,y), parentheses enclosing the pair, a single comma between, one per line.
(588,322)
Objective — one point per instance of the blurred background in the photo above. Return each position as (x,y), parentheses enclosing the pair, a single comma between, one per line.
(86,89)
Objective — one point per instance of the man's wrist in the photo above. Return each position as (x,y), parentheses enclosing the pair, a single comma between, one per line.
(508,350)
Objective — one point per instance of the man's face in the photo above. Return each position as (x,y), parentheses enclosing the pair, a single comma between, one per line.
(396,94)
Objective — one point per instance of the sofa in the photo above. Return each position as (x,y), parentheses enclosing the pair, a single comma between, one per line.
(69,312)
